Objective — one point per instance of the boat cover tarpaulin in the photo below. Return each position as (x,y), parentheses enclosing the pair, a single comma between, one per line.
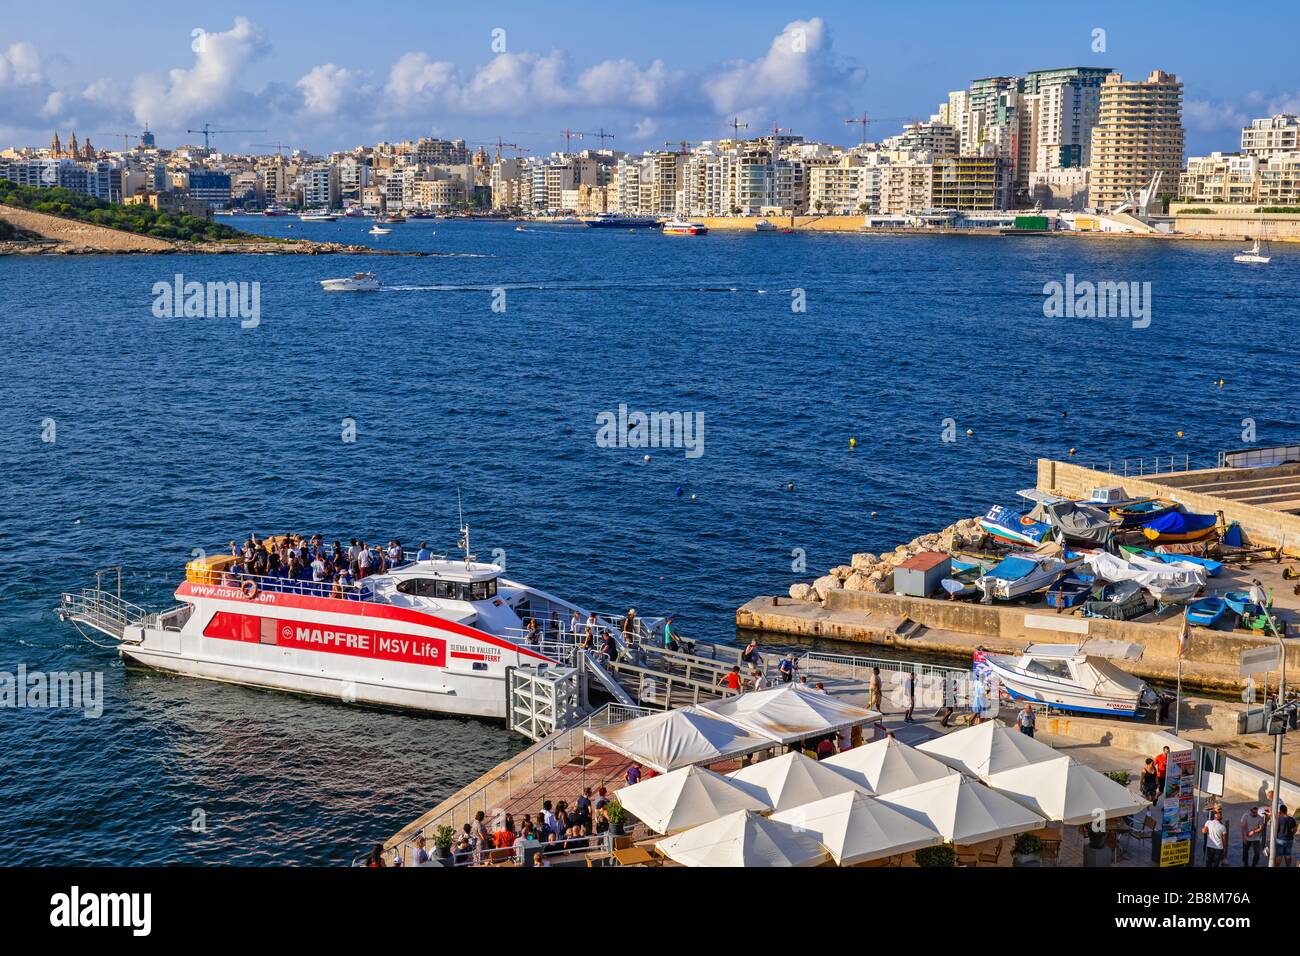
(1110,568)
(1179,522)
(1080,524)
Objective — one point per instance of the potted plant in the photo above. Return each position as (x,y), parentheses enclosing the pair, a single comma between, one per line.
(935,856)
(1121,777)
(442,839)
(1027,851)
(1096,838)
(617,817)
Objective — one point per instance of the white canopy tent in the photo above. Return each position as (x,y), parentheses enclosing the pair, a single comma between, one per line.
(793,779)
(744,838)
(678,738)
(686,798)
(1066,790)
(987,748)
(790,712)
(963,810)
(887,765)
(856,828)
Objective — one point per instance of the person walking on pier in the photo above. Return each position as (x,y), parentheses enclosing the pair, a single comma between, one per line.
(1216,838)
(1150,782)
(875,697)
(1162,766)
(909,696)
(1252,833)
(787,667)
(1286,827)
(1025,719)
(731,680)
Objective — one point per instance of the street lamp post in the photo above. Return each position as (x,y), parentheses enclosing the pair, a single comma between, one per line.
(1259,597)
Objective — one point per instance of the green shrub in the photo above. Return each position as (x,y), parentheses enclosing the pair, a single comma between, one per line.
(936,856)
(1027,845)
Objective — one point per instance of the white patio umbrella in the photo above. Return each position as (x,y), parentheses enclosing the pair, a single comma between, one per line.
(963,810)
(792,779)
(687,797)
(987,748)
(677,738)
(744,838)
(856,828)
(1066,790)
(790,712)
(887,765)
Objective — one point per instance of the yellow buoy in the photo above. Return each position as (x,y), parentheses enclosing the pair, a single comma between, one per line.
(853,443)
(969,432)
(1180,434)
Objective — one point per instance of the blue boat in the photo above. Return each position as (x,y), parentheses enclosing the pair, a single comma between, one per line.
(1207,611)
(1070,590)
(1177,526)
(1242,603)
(1212,567)
(1017,527)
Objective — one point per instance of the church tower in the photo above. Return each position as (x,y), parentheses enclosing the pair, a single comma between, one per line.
(72,146)
(56,148)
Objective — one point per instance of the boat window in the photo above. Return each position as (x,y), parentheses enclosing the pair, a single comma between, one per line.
(482,590)
(447,590)
(419,587)
(1050,668)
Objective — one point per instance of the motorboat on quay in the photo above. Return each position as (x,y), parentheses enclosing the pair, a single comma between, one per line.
(1076,677)
(1069,591)
(357,282)
(1177,527)
(1207,612)
(1212,567)
(1015,527)
(1167,583)
(1138,512)
(436,635)
(1025,572)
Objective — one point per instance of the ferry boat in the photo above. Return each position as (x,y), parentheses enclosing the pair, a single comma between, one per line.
(434,635)
(681,227)
(318,217)
(357,282)
(613,220)
(276,210)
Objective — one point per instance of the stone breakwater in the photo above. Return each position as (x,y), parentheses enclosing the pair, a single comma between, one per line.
(874,573)
(54,235)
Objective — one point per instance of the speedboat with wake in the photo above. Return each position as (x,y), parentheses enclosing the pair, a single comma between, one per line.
(1077,677)
(435,634)
(357,282)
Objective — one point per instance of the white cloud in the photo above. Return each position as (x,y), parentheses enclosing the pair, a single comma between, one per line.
(207,86)
(326,87)
(798,64)
(20,65)
(1207,117)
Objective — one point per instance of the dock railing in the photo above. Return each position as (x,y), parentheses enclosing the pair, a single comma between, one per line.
(522,773)
(936,685)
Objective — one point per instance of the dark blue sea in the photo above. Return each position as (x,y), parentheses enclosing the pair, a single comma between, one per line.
(171,434)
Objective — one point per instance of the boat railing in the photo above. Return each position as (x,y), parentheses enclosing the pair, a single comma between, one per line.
(105,611)
(279,584)
(521,775)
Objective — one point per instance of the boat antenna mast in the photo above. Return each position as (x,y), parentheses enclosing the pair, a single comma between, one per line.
(464,530)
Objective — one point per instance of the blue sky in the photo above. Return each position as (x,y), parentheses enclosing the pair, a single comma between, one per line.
(329,75)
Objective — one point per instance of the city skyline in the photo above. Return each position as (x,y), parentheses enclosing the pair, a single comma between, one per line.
(526,75)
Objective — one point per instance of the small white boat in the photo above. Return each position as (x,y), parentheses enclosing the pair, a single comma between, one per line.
(1168,582)
(1024,573)
(681,227)
(520,229)
(1252,255)
(1074,677)
(764,226)
(317,217)
(377,230)
(357,282)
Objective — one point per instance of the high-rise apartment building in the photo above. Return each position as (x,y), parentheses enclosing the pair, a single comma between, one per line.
(1139,134)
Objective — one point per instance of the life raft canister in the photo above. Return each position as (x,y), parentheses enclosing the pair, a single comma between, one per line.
(249,588)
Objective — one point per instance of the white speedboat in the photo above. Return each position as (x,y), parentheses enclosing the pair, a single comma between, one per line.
(681,227)
(1253,255)
(436,634)
(318,217)
(1024,573)
(357,282)
(1074,677)
(378,230)
(764,226)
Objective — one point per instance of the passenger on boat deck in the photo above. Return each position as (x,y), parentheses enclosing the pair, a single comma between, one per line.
(365,561)
(424,554)
(394,553)
(609,647)
(530,631)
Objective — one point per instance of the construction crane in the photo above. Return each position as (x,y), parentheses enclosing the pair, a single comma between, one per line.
(864,120)
(602,136)
(736,126)
(207,131)
(275,146)
(778,130)
(126,139)
(682,145)
(570,134)
(500,144)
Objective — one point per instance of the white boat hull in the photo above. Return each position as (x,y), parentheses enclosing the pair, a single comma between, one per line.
(1060,693)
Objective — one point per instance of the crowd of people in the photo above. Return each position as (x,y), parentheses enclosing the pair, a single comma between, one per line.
(1254,826)
(291,562)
